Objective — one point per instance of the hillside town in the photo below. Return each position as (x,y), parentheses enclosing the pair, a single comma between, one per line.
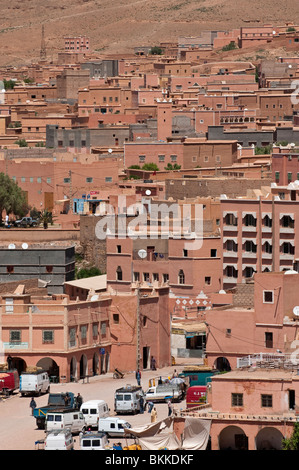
(149,204)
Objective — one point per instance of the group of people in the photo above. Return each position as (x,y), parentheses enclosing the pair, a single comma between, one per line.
(77,404)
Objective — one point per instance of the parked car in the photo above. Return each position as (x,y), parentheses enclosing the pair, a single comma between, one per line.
(93,410)
(127,399)
(113,427)
(94,441)
(59,440)
(65,419)
(26,222)
(34,383)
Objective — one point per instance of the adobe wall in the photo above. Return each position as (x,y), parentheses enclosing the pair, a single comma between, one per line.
(232,187)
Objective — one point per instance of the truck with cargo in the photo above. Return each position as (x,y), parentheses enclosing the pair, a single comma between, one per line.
(9,381)
(34,383)
(164,391)
(55,400)
(196,396)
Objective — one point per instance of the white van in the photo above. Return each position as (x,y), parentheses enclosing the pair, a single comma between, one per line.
(113,427)
(127,399)
(59,440)
(34,382)
(94,441)
(65,419)
(93,410)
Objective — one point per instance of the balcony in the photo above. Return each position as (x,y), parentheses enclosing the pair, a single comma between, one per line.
(149,255)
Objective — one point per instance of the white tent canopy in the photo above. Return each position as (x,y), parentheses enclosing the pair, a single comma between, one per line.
(161,435)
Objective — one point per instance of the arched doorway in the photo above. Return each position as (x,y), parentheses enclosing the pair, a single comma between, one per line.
(17,363)
(233,438)
(83,366)
(95,364)
(50,366)
(269,438)
(222,364)
(73,369)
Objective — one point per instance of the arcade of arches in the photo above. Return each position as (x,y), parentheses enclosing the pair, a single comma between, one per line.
(77,367)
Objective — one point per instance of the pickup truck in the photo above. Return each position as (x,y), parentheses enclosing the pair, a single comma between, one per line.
(26,222)
(56,400)
(163,392)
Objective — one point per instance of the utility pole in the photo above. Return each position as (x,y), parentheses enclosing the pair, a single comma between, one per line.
(138,330)
(71,189)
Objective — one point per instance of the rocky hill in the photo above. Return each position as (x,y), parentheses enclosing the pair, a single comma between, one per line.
(119,25)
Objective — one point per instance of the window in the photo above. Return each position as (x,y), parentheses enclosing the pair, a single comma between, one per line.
(94,330)
(15,336)
(48,180)
(103,328)
(142,158)
(8,305)
(266,401)
(146,277)
(66,180)
(119,274)
(156,277)
(250,247)
(116,318)
(23,179)
(161,158)
(118,247)
(10,269)
(108,179)
(72,337)
(48,336)
(250,220)
(165,277)
(207,280)
(181,277)
(173,158)
(268,296)
(237,399)
(136,277)
(49,269)
(83,331)
(39,180)
(213,253)
(231,219)
(269,340)
(185,253)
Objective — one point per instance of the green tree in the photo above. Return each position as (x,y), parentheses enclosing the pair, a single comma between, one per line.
(46,218)
(150,167)
(171,167)
(12,198)
(156,50)
(21,143)
(292,443)
(88,272)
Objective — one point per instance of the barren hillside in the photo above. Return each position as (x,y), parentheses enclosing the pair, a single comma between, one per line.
(119,25)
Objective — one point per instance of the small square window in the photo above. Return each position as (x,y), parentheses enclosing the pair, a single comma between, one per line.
(268,296)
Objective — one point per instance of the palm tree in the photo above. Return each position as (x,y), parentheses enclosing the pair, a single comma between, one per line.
(46,218)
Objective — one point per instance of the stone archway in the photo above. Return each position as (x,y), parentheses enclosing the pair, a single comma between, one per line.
(269,438)
(17,363)
(222,364)
(233,438)
(50,366)
(73,370)
(83,366)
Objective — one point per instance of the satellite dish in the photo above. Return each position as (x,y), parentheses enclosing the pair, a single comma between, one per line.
(109,150)
(148,192)
(11,246)
(25,246)
(142,254)
(296,311)
(94,298)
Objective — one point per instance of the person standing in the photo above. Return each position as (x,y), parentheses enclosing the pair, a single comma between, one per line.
(32,405)
(150,406)
(170,408)
(154,415)
(79,401)
(138,377)
(141,401)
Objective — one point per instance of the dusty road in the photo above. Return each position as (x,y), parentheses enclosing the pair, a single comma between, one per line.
(18,430)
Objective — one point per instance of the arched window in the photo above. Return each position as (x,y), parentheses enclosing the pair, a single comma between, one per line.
(181,277)
(119,274)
